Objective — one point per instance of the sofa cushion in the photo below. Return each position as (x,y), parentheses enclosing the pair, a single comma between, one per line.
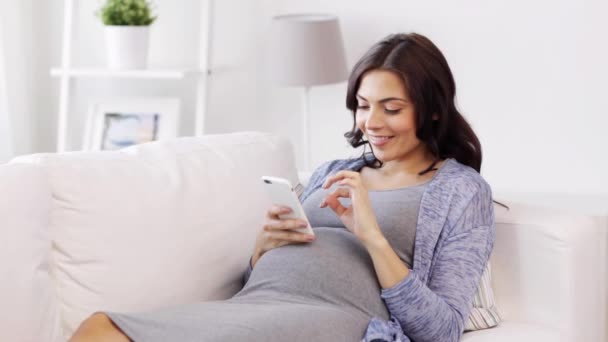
(158,224)
(29,311)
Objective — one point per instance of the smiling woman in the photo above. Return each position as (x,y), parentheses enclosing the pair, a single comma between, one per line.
(403,90)
(400,240)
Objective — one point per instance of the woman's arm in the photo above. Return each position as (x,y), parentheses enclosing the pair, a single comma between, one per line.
(390,269)
(426,313)
(437,312)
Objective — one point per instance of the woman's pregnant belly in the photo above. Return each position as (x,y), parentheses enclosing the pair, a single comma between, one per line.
(334,269)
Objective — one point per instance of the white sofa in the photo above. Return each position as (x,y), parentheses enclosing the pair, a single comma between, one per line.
(174,222)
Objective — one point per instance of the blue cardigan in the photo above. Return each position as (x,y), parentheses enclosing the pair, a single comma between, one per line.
(455,234)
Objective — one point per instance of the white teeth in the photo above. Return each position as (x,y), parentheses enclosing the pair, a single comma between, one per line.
(378,139)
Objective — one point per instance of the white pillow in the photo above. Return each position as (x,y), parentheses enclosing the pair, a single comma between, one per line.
(161,223)
(29,311)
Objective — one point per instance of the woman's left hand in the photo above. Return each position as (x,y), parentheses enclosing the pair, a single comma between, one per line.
(359,217)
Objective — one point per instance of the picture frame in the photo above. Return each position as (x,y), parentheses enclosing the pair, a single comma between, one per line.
(113,124)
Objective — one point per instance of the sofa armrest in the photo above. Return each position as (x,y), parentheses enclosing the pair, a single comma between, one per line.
(549,263)
(29,308)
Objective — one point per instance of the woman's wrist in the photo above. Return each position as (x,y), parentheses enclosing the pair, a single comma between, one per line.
(255,257)
(374,240)
(390,269)
(377,242)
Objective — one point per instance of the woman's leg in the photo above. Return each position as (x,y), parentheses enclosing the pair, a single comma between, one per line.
(98,328)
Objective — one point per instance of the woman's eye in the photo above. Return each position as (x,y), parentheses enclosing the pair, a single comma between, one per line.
(362,107)
(392,111)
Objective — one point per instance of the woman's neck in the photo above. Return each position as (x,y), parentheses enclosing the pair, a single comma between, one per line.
(409,166)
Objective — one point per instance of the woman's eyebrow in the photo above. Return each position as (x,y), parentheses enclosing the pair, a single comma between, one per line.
(385,99)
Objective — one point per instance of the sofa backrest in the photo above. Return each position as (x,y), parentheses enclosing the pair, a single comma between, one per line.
(157,224)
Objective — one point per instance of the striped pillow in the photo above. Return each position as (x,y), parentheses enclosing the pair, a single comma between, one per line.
(484,313)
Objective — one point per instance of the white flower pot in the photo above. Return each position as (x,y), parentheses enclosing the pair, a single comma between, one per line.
(127,46)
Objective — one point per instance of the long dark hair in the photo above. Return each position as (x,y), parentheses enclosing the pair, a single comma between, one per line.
(431,87)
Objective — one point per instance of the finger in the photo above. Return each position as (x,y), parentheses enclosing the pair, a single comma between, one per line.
(335,205)
(339,192)
(292,236)
(338,176)
(276,210)
(332,179)
(273,241)
(348,182)
(285,224)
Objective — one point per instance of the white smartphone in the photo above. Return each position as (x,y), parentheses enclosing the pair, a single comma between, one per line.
(281,192)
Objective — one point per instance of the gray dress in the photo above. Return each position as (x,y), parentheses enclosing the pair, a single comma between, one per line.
(326,290)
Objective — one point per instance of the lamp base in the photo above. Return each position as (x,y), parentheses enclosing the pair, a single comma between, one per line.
(306,129)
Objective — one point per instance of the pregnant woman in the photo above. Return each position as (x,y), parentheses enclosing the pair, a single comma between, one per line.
(402,233)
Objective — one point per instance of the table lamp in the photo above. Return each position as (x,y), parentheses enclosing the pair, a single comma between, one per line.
(306,50)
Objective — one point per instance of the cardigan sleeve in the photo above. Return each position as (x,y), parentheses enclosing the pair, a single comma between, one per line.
(437,311)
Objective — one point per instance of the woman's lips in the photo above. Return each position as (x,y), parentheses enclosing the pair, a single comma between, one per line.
(379,140)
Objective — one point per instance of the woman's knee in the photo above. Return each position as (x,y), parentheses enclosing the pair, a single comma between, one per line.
(98,328)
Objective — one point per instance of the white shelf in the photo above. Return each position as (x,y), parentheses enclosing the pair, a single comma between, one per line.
(67,73)
(169,74)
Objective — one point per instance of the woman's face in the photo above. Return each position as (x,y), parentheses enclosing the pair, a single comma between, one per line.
(387,117)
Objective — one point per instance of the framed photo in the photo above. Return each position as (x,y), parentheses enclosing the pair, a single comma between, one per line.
(117,123)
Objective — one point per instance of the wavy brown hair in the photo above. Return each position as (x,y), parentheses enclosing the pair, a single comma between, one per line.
(431,87)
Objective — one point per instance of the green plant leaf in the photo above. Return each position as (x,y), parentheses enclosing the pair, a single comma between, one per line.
(126,13)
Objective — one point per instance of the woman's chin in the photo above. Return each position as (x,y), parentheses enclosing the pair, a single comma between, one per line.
(382,156)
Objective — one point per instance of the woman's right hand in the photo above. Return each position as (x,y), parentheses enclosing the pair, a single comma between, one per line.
(278,232)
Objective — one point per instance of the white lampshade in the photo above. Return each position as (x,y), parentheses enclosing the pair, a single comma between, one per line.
(307,50)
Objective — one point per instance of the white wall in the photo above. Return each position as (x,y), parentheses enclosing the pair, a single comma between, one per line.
(530,77)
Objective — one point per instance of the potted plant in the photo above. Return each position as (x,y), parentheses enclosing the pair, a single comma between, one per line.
(127,30)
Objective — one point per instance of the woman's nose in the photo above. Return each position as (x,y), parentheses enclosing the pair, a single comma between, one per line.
(374,119)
